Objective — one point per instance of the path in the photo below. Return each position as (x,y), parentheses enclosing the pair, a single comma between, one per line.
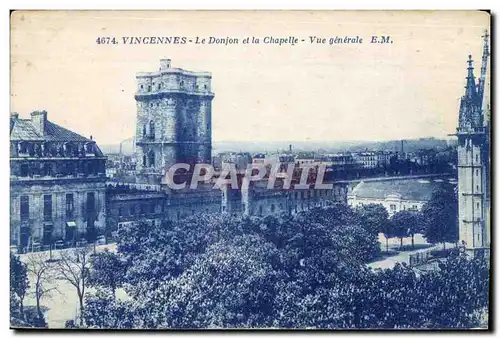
(403,256)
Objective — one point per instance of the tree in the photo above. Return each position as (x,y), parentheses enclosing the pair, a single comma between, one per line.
(229,286)
(295,271)
(406,223)
(19,284)
(103,310)
(373,217)
(400,225)
(106,270)
(73,266)
(388,231)
(43,277)
(440,216)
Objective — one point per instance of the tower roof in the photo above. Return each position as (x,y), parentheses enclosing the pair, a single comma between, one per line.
(470,116)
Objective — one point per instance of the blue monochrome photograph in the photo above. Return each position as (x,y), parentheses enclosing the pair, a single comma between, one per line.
(250,170)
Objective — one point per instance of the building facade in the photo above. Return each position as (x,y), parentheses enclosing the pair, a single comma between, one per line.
(57,183)
(473,135)
(174,109)
(409,194)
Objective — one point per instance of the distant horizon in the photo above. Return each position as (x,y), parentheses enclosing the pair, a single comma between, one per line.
(445,138)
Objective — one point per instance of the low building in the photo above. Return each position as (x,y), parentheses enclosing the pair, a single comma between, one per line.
(396,194)
(259,158)
(367,160)
(305,158)
(57,183)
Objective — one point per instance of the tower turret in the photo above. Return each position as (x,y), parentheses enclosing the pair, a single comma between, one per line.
(484,65)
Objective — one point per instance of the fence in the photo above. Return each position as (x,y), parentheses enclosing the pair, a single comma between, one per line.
(420,258)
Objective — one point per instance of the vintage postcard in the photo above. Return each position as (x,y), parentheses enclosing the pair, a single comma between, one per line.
(250,170)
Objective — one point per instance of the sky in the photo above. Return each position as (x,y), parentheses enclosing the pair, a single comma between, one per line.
(263,92)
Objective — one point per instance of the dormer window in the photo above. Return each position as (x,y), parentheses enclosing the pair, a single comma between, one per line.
(89,148)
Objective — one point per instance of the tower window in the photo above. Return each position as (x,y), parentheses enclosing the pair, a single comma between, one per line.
(149,88)
(142,86)
(144,160)
(182,83)
(152,129)
(477,172)
(159,86)
(477,205)
(477,157)
(151,158)
(144,130)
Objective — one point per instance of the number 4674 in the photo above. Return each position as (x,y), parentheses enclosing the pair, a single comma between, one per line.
(106,40)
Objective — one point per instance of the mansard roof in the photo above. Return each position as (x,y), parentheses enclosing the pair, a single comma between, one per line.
(25,130)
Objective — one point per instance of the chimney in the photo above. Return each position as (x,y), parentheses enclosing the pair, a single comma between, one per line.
(38,119)
(13,117)
(164,64)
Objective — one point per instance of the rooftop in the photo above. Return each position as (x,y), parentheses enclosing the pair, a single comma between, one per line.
(409,189)
(38,128)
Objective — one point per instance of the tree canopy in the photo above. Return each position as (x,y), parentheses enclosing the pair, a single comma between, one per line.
(289,271)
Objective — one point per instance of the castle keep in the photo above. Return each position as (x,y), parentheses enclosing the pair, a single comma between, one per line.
(173,125)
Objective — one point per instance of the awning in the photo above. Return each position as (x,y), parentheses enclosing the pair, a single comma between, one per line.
(70,223)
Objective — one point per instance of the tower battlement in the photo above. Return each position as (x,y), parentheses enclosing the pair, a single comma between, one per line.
(168,79)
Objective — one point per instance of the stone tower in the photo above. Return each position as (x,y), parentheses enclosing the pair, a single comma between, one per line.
(174,119)
(474,162)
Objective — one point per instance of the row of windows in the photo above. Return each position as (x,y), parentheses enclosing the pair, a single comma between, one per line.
(90,208)
(138,209)
(50,169)
(144,209)
(309,194)
(295,207)
(392,207)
